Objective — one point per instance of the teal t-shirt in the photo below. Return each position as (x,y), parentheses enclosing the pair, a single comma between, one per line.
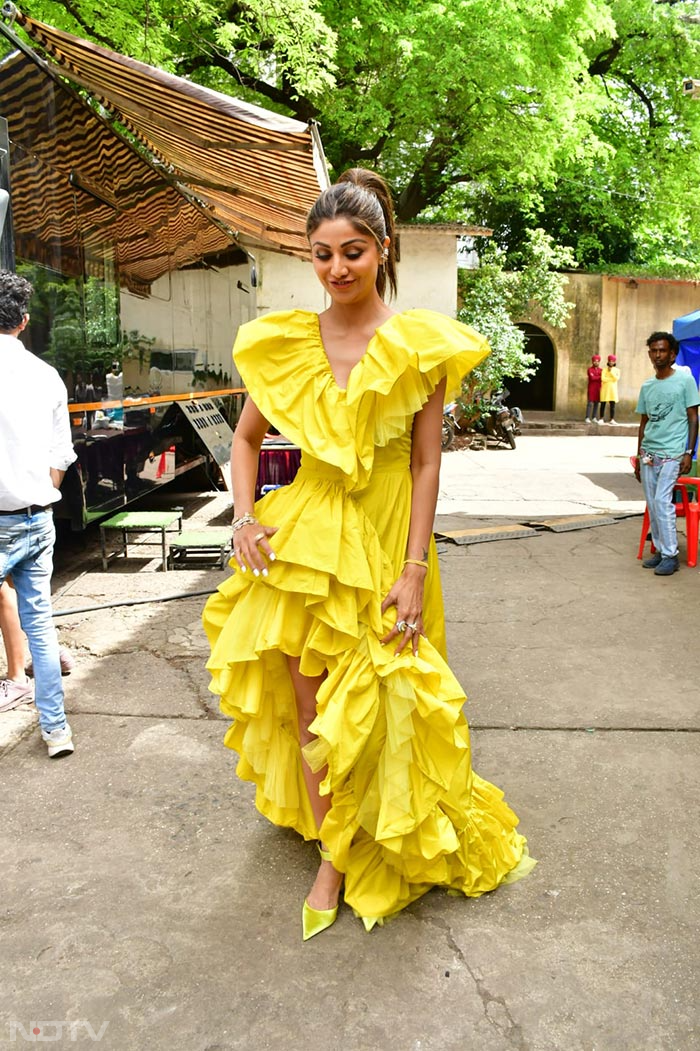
(665,403)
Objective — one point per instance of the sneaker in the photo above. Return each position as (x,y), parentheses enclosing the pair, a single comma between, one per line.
(586,420)
(594,420)
(613,423)
(600,421)
(59,742)
(667,566)
(12,694)
(653,561)
(66,658)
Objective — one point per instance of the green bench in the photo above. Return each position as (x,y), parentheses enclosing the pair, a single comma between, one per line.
(203,548)
(127,522)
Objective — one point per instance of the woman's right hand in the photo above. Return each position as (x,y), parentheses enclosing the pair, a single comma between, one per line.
(251,548)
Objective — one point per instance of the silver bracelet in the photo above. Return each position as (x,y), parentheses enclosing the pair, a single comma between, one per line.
(244,520)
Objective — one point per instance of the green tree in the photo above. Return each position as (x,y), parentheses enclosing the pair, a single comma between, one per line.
(435,94)
(627,200)
(564,114)
(494,298)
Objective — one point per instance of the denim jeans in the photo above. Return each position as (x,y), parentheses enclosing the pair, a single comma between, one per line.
(26,552)
(658,479)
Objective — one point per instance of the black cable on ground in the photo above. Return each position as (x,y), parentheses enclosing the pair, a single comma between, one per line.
(132,602)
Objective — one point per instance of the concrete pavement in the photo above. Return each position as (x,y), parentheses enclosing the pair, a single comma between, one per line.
(543,476)
(142,889)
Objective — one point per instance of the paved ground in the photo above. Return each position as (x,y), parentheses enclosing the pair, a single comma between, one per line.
(142,890)
(543,476)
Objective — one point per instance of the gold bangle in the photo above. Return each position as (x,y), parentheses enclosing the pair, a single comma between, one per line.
(415,562)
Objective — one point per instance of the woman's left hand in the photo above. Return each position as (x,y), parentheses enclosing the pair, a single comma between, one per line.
(407,596)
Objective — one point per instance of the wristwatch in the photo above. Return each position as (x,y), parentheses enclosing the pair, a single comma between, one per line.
(688,452)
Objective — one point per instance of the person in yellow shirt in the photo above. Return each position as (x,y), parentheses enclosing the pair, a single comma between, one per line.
(608,389)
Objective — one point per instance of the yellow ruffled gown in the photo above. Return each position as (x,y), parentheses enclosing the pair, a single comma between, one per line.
(408,812)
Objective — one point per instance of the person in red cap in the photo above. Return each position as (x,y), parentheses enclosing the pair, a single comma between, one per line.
(608,389)
(594,376)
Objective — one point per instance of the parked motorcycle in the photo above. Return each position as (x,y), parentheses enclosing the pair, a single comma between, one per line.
(498,420)
(449,425)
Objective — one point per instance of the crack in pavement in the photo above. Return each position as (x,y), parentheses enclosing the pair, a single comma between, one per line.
(499,1018)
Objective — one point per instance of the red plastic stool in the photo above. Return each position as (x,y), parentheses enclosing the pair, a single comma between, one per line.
(690,510)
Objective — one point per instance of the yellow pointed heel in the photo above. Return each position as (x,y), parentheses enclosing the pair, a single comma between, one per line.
(313,921)
(370,922)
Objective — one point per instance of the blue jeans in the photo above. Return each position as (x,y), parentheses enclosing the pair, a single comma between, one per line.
(658,480)
(26,552)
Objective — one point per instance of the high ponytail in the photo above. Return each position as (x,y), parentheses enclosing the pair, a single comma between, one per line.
(364,198)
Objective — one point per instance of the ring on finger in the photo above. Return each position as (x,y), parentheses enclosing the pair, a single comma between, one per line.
(401,625)
(259,537)
(413,627)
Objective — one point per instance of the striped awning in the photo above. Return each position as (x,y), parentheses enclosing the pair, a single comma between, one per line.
(255,172)
(83,200)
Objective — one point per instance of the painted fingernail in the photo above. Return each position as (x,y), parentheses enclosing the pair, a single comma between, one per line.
(273,556)
(243,569)
(264,572)
(256,572)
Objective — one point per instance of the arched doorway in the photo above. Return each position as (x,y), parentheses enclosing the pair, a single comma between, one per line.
(537,393)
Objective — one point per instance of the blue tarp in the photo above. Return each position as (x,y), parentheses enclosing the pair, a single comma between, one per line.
(686,329)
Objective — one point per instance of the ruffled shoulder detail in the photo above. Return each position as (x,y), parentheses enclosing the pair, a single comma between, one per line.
(405,361)
(426,342)
(283,364)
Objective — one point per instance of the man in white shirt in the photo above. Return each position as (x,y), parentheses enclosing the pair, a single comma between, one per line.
(35,450)
(115,383)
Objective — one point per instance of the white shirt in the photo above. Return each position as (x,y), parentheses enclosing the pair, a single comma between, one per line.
(115,386)
(34,427)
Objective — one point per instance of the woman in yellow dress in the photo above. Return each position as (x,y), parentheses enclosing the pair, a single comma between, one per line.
(328,641)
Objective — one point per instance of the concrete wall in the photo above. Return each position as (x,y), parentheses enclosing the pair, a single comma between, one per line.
(612,315)
(427,270)
(286,283)
(203,309)
(427,276)
(572,344)
(633,308)
(190,309)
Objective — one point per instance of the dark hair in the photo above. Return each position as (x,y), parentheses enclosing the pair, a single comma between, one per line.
(656,337)
(362,197)
(15,293)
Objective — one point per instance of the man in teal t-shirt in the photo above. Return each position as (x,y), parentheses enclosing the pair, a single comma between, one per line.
(668,430)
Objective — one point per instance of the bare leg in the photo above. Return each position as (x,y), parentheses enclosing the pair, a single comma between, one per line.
(324,893)
(12,634)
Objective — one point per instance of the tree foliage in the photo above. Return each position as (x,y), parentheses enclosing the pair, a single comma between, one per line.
(561,114)
(625,199)
(493,298)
